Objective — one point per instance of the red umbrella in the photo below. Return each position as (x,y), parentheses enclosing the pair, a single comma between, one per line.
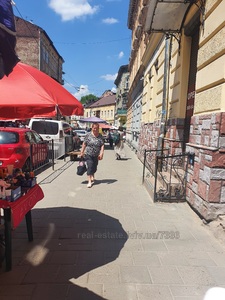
(105,126)
(28,92)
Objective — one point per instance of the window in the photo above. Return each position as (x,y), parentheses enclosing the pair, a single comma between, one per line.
(8,137)
(30,137)
(45,127)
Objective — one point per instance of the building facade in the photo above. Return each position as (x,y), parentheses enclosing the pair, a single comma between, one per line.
(35,48)
(122,84)
(177,90)
(103,108)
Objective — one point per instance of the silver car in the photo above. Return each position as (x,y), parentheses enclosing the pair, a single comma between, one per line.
(81,133)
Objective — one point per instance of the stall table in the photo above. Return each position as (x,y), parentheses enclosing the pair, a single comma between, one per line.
(14,213)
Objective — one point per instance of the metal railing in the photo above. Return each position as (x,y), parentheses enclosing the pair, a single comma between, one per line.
(166,174)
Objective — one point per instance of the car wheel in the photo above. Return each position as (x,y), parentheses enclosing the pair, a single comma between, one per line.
(27,166)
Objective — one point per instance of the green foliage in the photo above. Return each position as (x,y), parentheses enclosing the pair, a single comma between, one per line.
(88,99)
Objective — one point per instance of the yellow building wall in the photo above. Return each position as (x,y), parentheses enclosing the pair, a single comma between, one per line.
(210,83)
(107,113)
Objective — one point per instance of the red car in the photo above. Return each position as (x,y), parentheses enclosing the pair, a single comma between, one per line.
(22,147)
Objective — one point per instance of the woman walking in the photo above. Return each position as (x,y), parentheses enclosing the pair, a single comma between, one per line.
(92,150)
(119,144)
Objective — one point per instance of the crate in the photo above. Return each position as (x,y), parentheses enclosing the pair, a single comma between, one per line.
(29,183)
(13,194)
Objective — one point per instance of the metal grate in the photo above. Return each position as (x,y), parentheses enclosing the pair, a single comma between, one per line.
(56,173)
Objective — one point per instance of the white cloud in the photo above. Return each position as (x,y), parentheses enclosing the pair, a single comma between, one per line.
(121,54)
(113,90)
(72,9)
(83,91)
(110,21)
(109,77)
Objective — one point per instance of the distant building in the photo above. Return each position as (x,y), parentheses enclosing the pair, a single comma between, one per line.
(104,108)
(35,48)
(107,93)
(122,84)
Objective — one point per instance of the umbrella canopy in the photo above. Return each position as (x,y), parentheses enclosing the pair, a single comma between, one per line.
(105,126)
(92,120)
(28,92)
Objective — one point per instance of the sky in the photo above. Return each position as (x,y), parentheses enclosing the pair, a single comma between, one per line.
(91,36)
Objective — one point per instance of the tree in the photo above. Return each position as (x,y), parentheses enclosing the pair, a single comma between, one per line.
(88,99)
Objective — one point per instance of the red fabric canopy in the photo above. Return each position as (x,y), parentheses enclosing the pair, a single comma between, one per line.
(105,126)
(28,92)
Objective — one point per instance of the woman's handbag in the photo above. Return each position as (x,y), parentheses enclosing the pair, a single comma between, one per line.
(81,168)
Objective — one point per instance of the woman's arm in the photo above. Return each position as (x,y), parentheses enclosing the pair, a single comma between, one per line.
(82,149)
(100,157)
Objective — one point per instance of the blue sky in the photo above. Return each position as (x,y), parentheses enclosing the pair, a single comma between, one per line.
(91,35)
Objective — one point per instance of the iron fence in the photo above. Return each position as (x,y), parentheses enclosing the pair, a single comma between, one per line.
(166,175)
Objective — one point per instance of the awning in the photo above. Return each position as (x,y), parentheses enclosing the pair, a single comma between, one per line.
(167,15)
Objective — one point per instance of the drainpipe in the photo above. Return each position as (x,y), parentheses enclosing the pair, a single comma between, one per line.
(160,144)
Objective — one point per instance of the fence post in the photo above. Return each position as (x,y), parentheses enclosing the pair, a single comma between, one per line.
(53,155)
(143,175)
(31,157)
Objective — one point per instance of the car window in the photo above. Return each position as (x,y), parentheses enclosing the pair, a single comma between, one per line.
(30,137)
(45,127)
(37,137)
(7,137)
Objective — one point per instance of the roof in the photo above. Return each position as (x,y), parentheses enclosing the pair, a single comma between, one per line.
(104,101)
(123,69)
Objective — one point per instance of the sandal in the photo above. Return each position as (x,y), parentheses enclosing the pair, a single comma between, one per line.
(89,185)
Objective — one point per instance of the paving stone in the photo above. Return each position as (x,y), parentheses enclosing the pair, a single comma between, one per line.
(120,291)
(196,276)
(145,258)
(159,292)
(135,274)
(49,291)
(188,291)
(165,275)
(218,274)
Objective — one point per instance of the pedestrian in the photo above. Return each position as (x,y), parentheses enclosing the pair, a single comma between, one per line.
(119,144)
(110,139)
(92,150)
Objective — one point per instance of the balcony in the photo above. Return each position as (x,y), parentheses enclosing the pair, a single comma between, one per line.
(121,112)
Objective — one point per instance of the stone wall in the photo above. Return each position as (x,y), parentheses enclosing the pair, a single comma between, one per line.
(150,132)
(206,179)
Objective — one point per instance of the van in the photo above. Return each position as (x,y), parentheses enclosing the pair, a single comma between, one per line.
(59,131)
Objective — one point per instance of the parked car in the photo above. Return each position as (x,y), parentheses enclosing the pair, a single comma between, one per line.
(81,133)
(58,131)
(20,147)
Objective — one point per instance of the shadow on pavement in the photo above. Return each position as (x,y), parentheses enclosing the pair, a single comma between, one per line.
(68,244)
(96,182)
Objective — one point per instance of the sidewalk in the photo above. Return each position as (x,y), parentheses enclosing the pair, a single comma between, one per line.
(111,241)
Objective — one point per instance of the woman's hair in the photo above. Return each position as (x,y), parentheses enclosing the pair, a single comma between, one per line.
(94,124)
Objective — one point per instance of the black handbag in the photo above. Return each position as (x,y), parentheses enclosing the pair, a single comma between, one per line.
(81,168)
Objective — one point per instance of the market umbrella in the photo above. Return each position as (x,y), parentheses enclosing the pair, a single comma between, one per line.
(92,120)
(28,92)
(105,126)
